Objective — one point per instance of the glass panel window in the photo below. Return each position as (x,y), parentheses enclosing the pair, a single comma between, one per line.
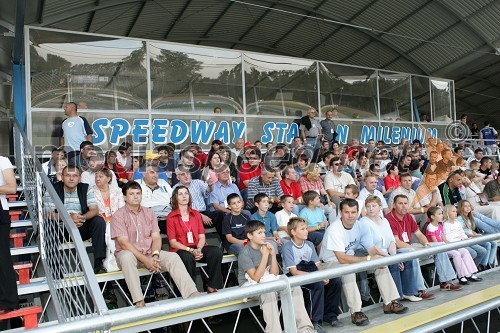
(441,100)
(395,102)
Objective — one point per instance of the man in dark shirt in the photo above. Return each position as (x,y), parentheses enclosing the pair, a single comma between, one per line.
(449,189)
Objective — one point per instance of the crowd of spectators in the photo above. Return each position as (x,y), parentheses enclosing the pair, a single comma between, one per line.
(315,203)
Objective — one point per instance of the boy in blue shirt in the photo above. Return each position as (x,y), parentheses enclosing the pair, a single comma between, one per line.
(257,264)
(299,257)
(261,201)
(315,217)
(233,225)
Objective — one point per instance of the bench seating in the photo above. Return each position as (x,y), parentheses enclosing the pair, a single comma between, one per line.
(30,315)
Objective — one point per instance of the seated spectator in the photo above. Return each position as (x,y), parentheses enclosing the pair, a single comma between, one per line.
(354,146)
(49,167)
(199,190)
(427,193)
(186,236)
(81,161)
(156,194)
(449,190)
(234,224)
(221,189)
(123,157)
(352,192)
(467,219)
(58,168)
(283,216)
(322,297)
(315,217)
(462,260)
(301,165)
(278,159)
(96,163)
(250,169)
(445,165)
(187,159)
(167,161)
(291,186)
(341,239)
(225,156)
(310,181)
(371,189)
(239,144)
(112,164)
(200,157)
(267,183)
(414,207)
(213,162)
(391,181)
(257,264)
(79,200)
(478,155)
(324,164)
(109,199)
(336,180)
(404,227)
(492,190)
(485,169)
(361,166)
(318,153)
(472,194)
(132,252)
(150,159)
(383,238)
(261,202)
(404,164)
(374,169)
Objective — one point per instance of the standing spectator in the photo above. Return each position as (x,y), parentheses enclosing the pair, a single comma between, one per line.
(217,109)
(186,236)
(310,129)
(474,131)
(8,289)
(74,130)
(79,200)
(488,134)
(328,128)
(132,252)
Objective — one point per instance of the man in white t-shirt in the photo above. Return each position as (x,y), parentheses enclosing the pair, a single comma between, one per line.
(49,167)
(341,240)
(370,188)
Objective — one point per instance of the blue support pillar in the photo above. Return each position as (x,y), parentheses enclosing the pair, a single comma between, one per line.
(19,88)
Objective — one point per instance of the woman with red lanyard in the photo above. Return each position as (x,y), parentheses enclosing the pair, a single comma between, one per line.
(8,288)
(112,164)
(109,200)
(186,236)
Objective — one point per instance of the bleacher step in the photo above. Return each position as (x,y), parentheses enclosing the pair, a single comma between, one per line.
(21,224)
(15,204)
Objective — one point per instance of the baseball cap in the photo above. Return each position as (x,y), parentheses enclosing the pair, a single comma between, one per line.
(150,155)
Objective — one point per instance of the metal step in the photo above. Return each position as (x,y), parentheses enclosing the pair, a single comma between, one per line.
(17,251)
(21,224)
(14,204)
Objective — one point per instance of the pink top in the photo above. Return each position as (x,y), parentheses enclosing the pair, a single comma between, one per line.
(432,230)
(307,185)
(138,227)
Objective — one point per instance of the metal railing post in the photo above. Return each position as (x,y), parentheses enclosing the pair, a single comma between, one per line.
(287,307)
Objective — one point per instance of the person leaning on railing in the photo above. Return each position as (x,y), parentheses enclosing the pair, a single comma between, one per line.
(79,201)
(8,289)
(135,231)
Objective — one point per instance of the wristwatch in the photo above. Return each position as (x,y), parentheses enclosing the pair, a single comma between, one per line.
(368,258)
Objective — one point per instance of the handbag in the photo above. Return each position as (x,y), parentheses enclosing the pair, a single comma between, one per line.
(482,198)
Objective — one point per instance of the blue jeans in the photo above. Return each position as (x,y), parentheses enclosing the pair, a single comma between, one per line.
(491,248)
(489,226)
(417,277)
(479,254)
(405,279)
(443,265)
(235,249)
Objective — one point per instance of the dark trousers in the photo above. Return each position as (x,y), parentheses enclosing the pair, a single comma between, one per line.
(322,302)
(217,216)
(95,228)
(212,256)
(8,286)
(316,237)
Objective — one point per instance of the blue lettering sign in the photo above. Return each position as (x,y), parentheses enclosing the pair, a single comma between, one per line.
(202,131)
(293,131)
(281,127)
(223,132)
(98,127)
(343,133)
(238,130)
(367,133)
(140,131)
(159,131)
(179,132)
(395,134)
(268,134)
(120,128)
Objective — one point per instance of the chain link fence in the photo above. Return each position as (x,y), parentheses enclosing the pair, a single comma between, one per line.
(73,286)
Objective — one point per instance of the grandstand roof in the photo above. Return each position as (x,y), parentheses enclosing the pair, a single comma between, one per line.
(454,39)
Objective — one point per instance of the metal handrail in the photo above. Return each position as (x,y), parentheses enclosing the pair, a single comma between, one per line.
(72,299)
(282,285)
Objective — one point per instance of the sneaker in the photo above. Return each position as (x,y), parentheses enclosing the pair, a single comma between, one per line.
(335,323)
(449,286)
(99,269)
(474,278)
(395,307)
(412,298)
(463,281)
(359,319)
(318,328)
(425,295)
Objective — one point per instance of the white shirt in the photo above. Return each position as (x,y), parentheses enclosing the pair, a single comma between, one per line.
(454,231)
(88,177)
(282,218)
(382,234)
(363,194)
(160,196)
(338,183)
(45,168)
(409,193)
(4,165)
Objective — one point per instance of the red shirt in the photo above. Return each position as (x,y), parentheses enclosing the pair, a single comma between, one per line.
(350,149)
(200,159)
(407,224)
(293,190)
(119,171)
(389,182)
(246,173)
(178,230)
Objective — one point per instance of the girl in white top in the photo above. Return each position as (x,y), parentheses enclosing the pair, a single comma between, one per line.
(452,228)
(283,216)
